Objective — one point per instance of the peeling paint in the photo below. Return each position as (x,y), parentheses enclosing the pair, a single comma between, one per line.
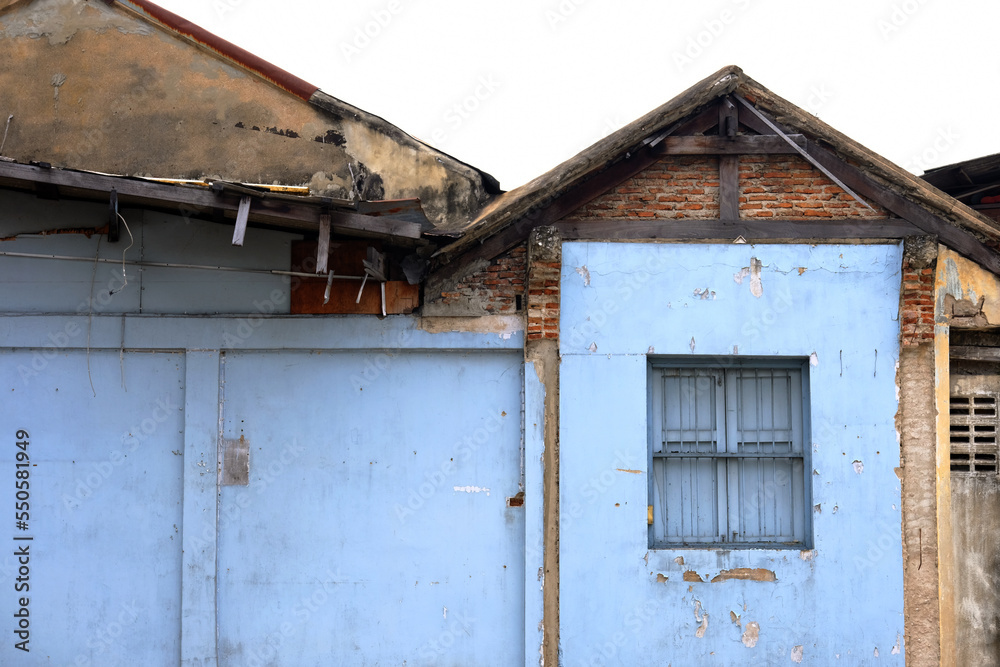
(734,617)
(746,574)
(660,579)
(650,350)
(859,467)
(691,575)
(898,646)
(797,653)
(60,22)
(584,273)
(814,360)
(472,489)
(634,472)
(692,344)
(593,347)
(679,560)
(503,325)
(756,288)
(807,554)
(751,634)
(702,618)
(704,294)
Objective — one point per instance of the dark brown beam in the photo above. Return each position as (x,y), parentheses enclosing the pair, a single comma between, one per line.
(729,164)
(969,353)
(743,144)
(951,235)
(201,201)
(728,230)
(700,124)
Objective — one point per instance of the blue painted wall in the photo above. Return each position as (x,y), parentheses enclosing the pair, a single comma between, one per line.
(375,527)
(623,603)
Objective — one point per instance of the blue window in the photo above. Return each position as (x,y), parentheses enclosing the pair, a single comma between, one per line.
(728,455)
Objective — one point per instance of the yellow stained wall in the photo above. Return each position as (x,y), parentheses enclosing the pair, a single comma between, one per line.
(963,280)
(96,87)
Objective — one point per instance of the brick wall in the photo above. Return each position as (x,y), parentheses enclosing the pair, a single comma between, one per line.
(787,186)
(683,186)
(917,303)
(497,287)
(687,186)
(544,266)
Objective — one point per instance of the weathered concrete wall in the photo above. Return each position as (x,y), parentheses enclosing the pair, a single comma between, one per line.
(969,296)
(101,89)
(497,287)
(966,297)
(916,424)
(975,514)
(622,602)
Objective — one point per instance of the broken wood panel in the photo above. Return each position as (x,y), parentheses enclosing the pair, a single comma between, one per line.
(202,201)
(401,298)
(323,243)
(242,216)
(344,258)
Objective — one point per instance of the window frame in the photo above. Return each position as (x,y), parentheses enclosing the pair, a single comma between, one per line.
(725,366)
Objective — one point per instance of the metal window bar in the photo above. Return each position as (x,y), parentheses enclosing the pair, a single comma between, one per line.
(729,424)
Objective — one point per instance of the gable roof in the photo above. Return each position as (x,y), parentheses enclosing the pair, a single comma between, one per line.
(156,95)
(511,215)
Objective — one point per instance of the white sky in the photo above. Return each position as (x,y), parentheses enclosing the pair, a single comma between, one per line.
(516,86)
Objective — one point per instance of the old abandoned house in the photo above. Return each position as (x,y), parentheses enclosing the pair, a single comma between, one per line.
(284,385)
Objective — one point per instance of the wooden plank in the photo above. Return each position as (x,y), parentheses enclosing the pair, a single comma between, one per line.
(202,201)
(729,165)
(323,243)
(729,186)
(400,298)
(951,235)
(744,144)
(972,353)
(701,123)
(242,216)
(730,229)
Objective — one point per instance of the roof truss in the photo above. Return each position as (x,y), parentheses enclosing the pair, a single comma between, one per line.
(714,131)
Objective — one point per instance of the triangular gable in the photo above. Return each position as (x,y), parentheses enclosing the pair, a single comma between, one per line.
(750,148)
(126,87)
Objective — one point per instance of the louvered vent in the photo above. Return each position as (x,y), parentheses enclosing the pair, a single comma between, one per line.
(974,435)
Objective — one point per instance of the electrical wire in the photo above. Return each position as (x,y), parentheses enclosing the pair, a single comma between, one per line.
(130,244)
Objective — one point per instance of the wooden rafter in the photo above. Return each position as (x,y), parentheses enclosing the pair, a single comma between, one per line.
(203,201)
(955,237)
